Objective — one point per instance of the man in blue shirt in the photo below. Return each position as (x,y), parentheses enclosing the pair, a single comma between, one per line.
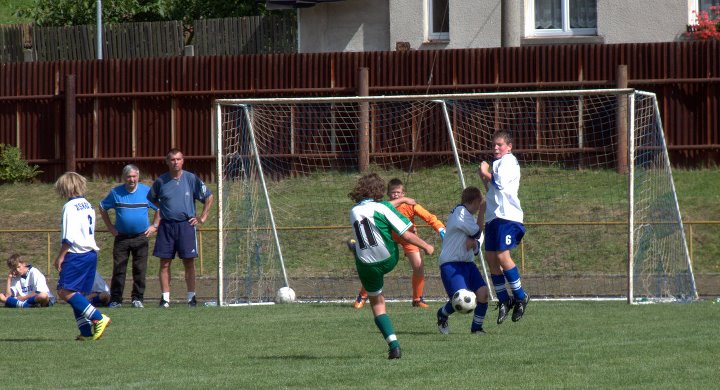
(131,231)
(175,193)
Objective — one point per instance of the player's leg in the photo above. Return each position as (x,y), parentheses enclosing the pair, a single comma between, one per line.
(372,279)
(41,299)
(362,297)
(190,281)
(477,283)
(165,250)
(494,242)
(418,277)
(139,270)
(453,279)
(121,251)
(164,277)
(186,246)
(78,274)
(512,233)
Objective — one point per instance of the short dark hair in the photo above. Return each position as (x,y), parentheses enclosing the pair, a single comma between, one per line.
(470,194)
(505,135)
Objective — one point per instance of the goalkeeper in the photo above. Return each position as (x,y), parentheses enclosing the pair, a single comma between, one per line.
(503,225)
(376,254)
(409,208)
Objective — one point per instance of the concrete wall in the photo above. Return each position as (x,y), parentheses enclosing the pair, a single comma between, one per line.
(351,25)
(638,21)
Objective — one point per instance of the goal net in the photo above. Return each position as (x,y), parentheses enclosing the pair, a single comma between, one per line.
(601,212)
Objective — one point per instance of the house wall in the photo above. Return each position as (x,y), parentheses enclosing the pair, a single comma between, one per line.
(351,25)
(642,21)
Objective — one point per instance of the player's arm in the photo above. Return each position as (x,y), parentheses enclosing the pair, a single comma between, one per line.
(397,202)
(8,285)
(417,241)
(64,248)
(154,225)
(108,224)
(430,219)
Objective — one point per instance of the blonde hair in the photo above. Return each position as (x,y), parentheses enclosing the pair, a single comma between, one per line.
(71,184)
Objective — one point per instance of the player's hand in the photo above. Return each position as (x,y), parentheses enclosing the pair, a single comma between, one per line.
(429,249)
(58,263)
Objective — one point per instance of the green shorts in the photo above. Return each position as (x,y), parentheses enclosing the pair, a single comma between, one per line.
(372,275)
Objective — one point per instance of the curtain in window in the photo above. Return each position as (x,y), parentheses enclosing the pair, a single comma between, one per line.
(583,13)
(548,14)
(706,4)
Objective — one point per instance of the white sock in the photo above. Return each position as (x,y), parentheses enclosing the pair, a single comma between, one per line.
(190,296)
(166,296)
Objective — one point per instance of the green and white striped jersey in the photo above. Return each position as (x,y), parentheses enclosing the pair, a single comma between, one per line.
(373,223)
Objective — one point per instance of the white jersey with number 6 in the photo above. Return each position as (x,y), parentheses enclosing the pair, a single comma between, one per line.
(372,223)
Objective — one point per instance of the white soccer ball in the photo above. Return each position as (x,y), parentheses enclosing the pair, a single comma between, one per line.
(285,295)
(464,301)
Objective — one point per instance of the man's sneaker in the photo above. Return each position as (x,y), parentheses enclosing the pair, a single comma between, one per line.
(503,310)
(394,353)
(360,301)
(164,304)
(137,304)
(99,327)
(519,308)
(115,305)
(442,323)
(480,331)
(192,302)
(420,303)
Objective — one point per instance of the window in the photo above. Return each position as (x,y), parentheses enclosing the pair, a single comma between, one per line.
(561,17)
(695,6)
(438,21)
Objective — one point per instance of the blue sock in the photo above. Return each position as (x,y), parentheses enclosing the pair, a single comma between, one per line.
(479,316)
(83,323)
(13,302)
(513,277)
(81,304)
(446,310)
(30,302)
(499,283)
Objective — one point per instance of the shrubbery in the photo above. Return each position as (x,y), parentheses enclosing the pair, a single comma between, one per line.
(13,168)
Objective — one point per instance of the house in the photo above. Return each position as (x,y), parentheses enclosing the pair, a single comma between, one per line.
(376,25)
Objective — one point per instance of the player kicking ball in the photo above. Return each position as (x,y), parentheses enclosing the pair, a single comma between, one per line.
(457,260)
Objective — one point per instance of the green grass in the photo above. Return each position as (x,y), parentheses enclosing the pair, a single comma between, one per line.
(556,345)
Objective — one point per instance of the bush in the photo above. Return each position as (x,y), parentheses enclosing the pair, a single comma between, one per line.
(13,168)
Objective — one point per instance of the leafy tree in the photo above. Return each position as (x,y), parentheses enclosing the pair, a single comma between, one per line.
(13,168)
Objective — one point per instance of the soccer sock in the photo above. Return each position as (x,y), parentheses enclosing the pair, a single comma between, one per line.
(499,283)
(83,323)
(479,316)
(190,295)
(97,301)
(385,325)
(446,310)
(13,302)
(513,277)
(87,310)
(30,302)
(418,285)
(166,296)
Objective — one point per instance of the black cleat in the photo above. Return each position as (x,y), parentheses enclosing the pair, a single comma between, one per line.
(394,353)
(442,323)
(480,331)
(164,304)
(192,302)
(519,308)
(503,310)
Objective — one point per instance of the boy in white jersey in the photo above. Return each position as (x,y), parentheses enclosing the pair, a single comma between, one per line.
(376,254)
(503,225)
(26,286)
(457,260)
(76,261)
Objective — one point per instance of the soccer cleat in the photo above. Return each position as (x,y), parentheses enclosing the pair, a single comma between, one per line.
(480,331)
(115,305)
(503,310)
(99,327)
(351,245)
(360,301)
(137,304)
(192,302)
(394,353)
(442,323)
(164,304)
(420,303)
(519,308)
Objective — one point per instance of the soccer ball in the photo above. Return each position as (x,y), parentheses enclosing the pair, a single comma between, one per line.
(285,295)
(463,301)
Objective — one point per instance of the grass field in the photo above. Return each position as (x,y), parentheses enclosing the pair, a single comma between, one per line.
(556,345)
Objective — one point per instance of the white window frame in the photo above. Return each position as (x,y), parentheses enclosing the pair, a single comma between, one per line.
(430,34)
(693,10)
(531,31)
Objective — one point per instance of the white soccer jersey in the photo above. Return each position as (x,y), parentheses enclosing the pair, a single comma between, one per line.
(78,226)
(99,284)
(372,222)
(460,226)
(502,195)
(33,282)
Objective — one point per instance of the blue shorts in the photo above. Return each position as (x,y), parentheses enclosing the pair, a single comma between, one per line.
(78,272)
(460,274)
(175,237)
(501,234)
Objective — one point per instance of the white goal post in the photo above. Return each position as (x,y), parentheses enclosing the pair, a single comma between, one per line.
(602,216)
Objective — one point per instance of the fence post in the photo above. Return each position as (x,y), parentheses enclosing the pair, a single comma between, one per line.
(70,111)
(622,121)
(363,89)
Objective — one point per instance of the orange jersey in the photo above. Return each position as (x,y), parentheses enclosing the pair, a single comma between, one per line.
(410,212)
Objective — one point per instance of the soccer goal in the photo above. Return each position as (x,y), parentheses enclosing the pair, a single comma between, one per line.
(600,206)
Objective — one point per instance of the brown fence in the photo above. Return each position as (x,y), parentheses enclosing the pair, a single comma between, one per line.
(247,35)
(135,110)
